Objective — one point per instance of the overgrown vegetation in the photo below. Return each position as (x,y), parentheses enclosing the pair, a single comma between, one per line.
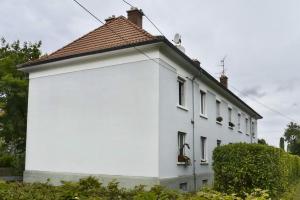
(240,168)
(13,101)
(292,137)
(91,189)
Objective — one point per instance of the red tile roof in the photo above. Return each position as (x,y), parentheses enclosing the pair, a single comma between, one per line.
(114,33)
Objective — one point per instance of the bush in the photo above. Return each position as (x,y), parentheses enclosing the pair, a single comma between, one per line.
(240,168)
(91,189)
(6,160)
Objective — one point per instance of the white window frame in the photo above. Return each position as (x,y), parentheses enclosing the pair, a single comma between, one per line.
(247,125)
(219,143)
(203,103)
(180,133)
(203,147)
(252,131)
(229,114)
(181,91)
(218,108)
(239,122)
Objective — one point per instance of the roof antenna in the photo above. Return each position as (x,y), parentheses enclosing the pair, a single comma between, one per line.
(223,65)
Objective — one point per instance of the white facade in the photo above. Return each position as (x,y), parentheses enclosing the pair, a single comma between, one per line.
(117,114)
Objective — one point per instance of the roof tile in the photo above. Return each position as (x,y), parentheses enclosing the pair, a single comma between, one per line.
(116,32)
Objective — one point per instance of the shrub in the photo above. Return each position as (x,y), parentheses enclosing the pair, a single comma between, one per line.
(91,189)
(240,168)
(6,160)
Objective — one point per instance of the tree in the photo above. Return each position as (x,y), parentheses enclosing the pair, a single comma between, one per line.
(14,92)
(281,143)
(292,137)
(262,141)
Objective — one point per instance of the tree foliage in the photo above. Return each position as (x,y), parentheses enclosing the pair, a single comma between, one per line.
(281,143)
(292,137)
(262,141)
(14,92)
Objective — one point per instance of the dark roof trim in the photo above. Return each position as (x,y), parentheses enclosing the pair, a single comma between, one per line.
(40,62)
(208,75)
(156,40)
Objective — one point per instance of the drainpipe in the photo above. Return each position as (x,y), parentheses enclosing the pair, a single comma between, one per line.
(251,132)
(193,123)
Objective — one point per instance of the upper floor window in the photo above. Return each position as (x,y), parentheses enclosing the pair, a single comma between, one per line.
(218,111)
(246,125)
(202,103)
(252,129)
(239,122)
(229,114)
(181,91)
(219,143)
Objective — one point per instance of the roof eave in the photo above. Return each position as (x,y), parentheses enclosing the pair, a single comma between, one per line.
(156,40)
(210,77)
(35,63)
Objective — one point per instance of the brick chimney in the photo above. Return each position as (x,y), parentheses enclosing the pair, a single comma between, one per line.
(135,15)
(224,80)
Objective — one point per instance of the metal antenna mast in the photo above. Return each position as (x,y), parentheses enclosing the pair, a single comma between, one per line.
(223,65)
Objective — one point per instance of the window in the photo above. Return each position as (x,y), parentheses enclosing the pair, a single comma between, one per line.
(181,142)
(181,95)
(218,108)
(202,103)
(183,186)
(203,149)
(204,182)
(239,122)
(229,114)
(218,143)
(252,129)
(246,126)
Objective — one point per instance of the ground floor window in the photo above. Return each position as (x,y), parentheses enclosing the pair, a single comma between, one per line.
(203,149)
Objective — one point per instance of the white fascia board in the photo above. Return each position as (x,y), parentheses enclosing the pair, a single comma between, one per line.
(99,60)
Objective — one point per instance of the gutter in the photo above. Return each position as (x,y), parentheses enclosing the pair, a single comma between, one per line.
(156,40)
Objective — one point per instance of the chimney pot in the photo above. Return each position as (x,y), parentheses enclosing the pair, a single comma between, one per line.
(110,18)
(197,61)
(224,80)
(135,15)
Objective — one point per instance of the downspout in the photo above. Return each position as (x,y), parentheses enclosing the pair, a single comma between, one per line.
(251,131)
(193,123)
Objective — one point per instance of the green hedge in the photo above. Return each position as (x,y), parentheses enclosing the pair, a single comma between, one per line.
(6,160)
(243,167)
(91,189)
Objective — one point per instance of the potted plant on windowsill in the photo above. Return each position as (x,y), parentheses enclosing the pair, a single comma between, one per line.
(183,158)
(231,125)
(219,119)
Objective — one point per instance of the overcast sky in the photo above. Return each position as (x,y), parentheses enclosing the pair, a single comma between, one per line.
(261,39)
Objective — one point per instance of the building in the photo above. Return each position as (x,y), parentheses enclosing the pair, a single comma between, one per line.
(120,103)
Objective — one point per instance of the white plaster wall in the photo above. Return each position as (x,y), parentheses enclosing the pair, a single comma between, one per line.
(98,121)
(174,119)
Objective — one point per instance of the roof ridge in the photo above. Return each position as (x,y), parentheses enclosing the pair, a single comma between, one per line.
(102,26)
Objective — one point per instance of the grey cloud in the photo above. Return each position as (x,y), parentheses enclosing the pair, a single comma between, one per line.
(260,37)
(254,91)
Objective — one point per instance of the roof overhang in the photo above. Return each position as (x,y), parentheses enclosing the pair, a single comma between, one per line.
(159,39)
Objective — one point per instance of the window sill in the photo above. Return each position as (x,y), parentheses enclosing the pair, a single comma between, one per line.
(204,163)
(247,134)
(240,132)
(181,163)
(203,116)
(220,123)
(182,107)
(230,127)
